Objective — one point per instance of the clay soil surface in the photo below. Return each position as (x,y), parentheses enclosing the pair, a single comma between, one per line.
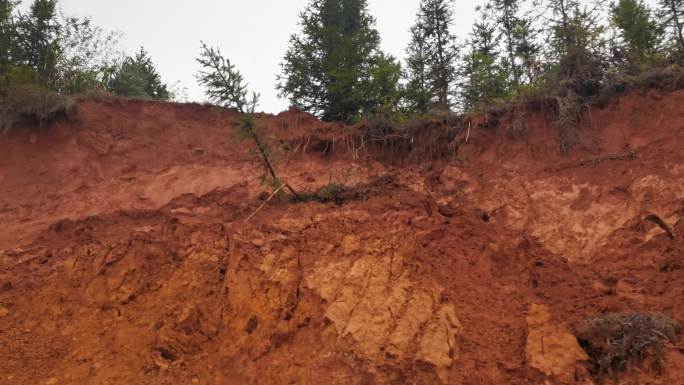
(126,257)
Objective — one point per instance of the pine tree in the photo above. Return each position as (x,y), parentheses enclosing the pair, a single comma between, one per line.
(7,34)
(329,66)
(38,44)
(138,77)
(417,93)
(225,86)
(506,16)
(671,13)
(483,80)
(641,34)
(576,39)
(383,91)
(433,26)
(527,49)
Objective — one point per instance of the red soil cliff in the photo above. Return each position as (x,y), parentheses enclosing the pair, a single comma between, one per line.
(125,257)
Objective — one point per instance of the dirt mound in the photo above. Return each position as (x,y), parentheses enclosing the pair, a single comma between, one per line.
(126,257)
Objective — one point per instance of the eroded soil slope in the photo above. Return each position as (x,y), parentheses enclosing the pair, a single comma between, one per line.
(125,257)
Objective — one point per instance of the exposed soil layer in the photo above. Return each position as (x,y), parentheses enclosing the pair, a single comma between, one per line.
(126,257)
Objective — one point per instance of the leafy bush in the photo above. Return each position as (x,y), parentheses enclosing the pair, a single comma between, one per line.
(618,342)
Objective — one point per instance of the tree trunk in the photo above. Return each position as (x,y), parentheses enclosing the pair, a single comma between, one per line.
(267,162)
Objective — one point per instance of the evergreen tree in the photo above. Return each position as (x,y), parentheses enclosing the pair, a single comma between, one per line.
(38,43)
(7,34)
(576,39)
(527,49)
(671,13)
(329,66)
(483,80)
(137,77)
(641,34)
(433,26)
(382,90)
(225,86)
(506,16)
(418,96)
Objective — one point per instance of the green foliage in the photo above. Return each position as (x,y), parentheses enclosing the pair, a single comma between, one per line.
(483,78)
(433,51)
(576,39)
(518,38)
(502,55)
(137,77)
(31,102)
(7,33)
(68,55)
(38,45)
(225,85)
(383,88)
(88,56)
(641,34)
(332,192)
(331,67)
(506,16)
(383,123)
(527,50)
(417,95)
(671,15)
(16,76)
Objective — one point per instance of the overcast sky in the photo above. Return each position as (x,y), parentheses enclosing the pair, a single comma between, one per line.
(253,34)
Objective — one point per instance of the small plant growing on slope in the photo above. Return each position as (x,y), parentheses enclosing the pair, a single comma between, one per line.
(618,342)
(225,86)
(22,100)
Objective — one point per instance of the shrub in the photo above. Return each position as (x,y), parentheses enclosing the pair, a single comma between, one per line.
(383,124)
(138,77)
(618,342)
(332,192)
(35,104)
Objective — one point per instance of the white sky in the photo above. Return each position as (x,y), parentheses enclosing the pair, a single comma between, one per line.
(253,34)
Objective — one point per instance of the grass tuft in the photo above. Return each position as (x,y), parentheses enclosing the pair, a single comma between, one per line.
(617,343)
(35,104)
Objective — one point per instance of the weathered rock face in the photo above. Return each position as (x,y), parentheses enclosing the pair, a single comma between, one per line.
(553,350)
(385,308)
